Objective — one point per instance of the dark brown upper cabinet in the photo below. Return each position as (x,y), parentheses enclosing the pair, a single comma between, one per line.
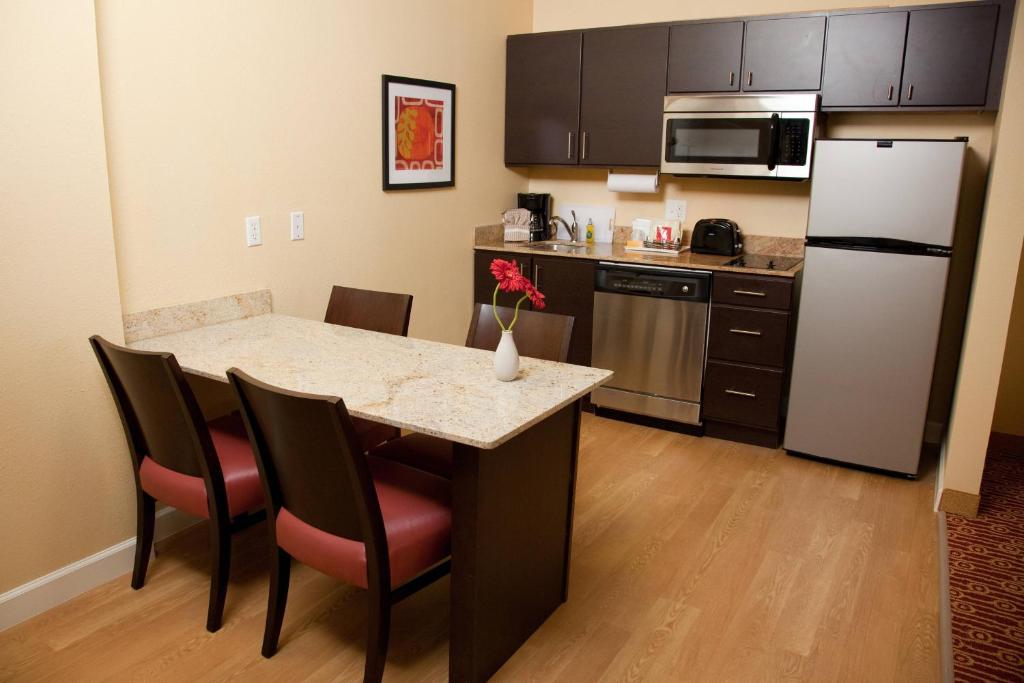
(542,98)
(622,96)
(949,53)
(783,54)
(705,57)
(864,59)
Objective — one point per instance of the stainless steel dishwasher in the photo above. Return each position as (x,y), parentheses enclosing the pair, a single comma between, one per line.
(651,328)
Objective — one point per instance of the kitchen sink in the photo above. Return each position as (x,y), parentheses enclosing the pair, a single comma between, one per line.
(559,246)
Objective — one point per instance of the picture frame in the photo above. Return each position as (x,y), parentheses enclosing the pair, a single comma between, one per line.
(418,133)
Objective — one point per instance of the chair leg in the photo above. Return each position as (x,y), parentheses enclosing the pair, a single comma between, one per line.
(220,568)
(143,538)
(379,628)
(280,571)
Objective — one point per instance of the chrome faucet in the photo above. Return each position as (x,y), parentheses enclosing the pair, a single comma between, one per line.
(573,229)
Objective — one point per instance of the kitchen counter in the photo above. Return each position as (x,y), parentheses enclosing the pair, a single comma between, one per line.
(616,252)
(428,387)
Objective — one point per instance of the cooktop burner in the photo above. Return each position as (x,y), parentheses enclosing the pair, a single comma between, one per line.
(765,262)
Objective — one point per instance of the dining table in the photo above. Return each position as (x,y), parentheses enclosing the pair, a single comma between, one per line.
(515,449)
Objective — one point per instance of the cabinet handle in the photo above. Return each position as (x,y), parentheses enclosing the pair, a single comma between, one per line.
(744,394)
(732,77)
(522,269)
(889,96)
(568,151)
(583,149)
(747,292)
(536,275)
(910,92)
(750,333)
(750,78)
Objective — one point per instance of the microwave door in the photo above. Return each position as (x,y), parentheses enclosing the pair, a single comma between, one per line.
(720,144)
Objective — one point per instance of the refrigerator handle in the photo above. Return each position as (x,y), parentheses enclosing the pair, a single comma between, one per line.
(773,142)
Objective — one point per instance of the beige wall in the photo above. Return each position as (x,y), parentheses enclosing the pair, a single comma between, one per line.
(985,342)
(1009,415)
(217,111)
(211,112)
(64,472)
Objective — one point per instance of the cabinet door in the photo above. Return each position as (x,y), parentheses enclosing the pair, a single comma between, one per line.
(705,57)
(949,52)
(483,281)
(568,287)
(863,59)
(623,95)
(783,54)
(542,98)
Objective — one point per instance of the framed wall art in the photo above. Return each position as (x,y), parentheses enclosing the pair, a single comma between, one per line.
(418,133)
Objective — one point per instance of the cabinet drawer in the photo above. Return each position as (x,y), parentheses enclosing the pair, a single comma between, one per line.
(751,290)
(740,394)
(748,336)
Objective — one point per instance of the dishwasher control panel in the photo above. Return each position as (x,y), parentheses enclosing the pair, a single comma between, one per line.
(668,283)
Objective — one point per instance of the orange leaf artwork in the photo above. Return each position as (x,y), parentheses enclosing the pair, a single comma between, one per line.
(419,133)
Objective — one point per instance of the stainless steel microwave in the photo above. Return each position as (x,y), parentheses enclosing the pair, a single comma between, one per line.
(739,136)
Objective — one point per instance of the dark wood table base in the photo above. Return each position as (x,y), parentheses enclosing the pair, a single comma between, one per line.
(512,517)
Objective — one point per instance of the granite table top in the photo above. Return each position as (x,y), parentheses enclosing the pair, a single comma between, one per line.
(423,386)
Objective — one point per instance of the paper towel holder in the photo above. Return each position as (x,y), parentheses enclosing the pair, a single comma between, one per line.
(637,183)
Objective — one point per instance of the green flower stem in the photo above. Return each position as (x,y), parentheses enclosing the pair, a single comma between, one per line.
(516,316)
(494,309)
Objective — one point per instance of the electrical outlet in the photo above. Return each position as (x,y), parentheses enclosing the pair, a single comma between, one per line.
(675,209)
(298,226)
(253,232)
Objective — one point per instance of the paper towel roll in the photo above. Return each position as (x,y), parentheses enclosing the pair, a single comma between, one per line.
(632,182)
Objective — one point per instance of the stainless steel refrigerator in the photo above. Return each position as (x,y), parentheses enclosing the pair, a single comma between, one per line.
(879,240)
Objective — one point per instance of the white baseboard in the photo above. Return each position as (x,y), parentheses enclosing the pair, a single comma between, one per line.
(46,592)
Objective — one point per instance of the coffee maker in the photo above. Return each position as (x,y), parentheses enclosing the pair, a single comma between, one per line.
(539,206)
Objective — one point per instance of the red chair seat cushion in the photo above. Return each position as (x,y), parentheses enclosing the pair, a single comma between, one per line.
(237,463)
(372,433)
(427,453)
(416,508)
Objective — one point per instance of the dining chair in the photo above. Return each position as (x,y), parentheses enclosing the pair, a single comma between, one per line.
(374,523)
(205,469)
(367,309)
(538,335)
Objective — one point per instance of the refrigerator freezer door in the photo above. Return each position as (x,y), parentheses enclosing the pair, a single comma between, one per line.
(866,339)
(908,191)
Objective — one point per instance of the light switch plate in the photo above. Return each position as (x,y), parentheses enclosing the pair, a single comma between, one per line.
(298,226)
(675,209)
(253,232)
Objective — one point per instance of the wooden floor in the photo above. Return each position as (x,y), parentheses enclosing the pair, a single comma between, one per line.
(693,560)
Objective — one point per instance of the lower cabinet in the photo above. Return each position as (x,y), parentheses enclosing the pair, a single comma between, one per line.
(750,343)
(567,284)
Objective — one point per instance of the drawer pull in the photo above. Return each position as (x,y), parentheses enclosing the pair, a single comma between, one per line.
(747,292)
(744,394)
(751,333)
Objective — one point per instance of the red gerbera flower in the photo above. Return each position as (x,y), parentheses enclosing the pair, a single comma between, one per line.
(511,280)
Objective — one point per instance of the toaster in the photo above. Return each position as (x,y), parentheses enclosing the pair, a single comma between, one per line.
(716,236)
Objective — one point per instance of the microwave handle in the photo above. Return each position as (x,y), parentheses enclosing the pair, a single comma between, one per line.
(773,142)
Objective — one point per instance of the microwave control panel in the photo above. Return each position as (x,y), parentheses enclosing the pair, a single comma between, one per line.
(793,137)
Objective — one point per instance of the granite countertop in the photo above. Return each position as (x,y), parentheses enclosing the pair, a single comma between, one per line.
(428,387)
(616,251)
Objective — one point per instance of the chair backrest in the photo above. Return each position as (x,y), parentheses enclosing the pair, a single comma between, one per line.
(159,412)
(369,310)
(538,335)
(310,460)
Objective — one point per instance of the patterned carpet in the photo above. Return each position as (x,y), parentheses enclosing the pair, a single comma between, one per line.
(986,578)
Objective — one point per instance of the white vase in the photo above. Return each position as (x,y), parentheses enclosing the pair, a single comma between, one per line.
(506,358)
